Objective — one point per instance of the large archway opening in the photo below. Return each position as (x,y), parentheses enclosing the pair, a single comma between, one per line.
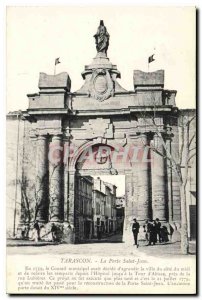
(99,196)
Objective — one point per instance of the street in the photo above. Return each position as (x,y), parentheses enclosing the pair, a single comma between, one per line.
(106,247)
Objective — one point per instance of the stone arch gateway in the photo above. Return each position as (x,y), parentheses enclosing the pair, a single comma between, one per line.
(103,113)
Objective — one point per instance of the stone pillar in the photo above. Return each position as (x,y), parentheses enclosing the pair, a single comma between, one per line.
(71,211)
(42,179)
(127,233)
(144,178)
(71,196)
(66,179)
(129,196)
(158,181)
(169,183)
(56,211)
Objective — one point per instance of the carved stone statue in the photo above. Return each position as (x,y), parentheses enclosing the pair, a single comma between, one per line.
(102,38)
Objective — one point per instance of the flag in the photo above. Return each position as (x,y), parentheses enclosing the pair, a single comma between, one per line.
(57,61)
(151,58)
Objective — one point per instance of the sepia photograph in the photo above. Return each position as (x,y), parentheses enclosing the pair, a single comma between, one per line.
(101,150)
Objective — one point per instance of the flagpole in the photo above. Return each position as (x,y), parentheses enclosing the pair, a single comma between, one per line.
(57,61)
(150,60)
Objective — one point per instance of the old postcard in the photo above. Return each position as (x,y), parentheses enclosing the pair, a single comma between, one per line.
(101,150)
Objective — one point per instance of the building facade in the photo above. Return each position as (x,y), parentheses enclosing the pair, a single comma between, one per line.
(110,211)
(84,196)
(120,207)
(101,129)
(99,201)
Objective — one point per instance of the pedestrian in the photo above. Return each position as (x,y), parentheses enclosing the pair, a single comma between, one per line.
(171,231)
(99,232)
(135,230)
(54,232)
(36,231)
(158,230)
(164,234)
(147,230)
(153,233)
(23,231)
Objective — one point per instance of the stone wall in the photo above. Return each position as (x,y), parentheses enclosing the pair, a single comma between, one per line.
(14,154)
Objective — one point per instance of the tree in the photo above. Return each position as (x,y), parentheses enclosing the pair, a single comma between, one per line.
(180,164)
(31,200)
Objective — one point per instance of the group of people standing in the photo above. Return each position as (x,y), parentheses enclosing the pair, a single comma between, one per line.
(36,232)
(153,232)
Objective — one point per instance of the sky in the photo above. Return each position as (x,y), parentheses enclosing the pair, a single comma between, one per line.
(38,35)
(117,180)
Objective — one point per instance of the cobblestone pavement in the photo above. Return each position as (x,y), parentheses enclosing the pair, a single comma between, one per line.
(107,247)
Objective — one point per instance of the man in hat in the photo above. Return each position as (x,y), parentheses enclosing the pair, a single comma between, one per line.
(135,230)
(36,231)
(54,232)
(158,230)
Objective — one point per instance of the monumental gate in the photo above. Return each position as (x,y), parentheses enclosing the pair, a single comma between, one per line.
(101,129)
